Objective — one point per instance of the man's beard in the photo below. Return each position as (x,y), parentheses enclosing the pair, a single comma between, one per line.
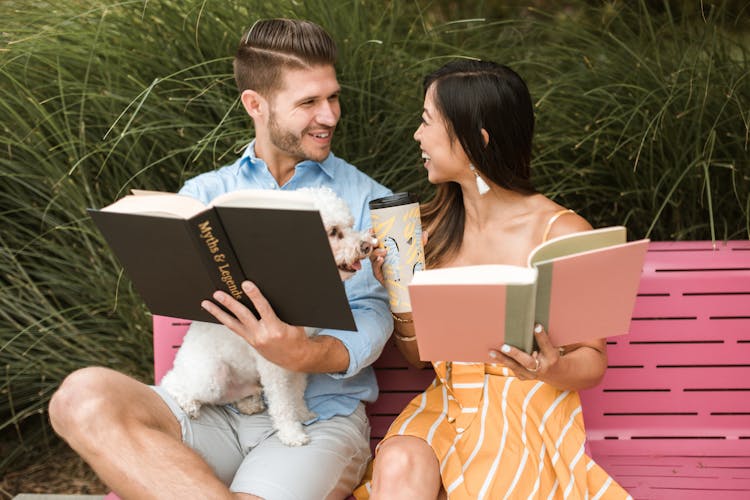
(290,143)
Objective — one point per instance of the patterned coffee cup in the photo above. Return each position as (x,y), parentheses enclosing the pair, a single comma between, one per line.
(397,225)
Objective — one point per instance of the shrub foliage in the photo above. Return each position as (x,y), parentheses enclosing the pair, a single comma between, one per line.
(643,119)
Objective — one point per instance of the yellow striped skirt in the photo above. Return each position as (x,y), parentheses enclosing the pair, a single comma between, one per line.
(500,437)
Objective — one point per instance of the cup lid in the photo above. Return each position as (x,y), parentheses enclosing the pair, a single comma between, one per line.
(394,200)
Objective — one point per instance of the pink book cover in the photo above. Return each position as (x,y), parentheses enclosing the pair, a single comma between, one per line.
(461,313)
(591,294)
(460,322)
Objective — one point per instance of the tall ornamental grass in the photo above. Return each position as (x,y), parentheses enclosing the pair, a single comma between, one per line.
(642,119)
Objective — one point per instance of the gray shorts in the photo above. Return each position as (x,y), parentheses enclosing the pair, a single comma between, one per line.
(246,455)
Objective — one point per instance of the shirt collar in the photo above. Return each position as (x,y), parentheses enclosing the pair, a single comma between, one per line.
(326,166)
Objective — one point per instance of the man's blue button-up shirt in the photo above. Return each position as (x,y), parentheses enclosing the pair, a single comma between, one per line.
(337,393)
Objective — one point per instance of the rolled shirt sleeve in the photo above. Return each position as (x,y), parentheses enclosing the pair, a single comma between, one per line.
(369,303)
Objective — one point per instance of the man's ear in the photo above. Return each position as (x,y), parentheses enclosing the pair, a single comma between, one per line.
(485,137)
(255,104)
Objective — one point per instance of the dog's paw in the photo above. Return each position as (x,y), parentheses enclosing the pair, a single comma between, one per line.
(192,408)
(250,405)
(293,437)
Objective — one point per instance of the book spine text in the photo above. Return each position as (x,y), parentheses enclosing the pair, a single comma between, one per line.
(223,264)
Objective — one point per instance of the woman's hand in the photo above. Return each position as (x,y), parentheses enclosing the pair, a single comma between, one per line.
(529,366)
(582,366)
(377,257)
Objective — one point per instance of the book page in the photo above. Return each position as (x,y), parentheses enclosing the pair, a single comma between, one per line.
(157,203)
(142,192)
(266,198)
(578,242)
(476,275)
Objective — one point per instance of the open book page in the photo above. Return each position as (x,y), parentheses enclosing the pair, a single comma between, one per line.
(266,198)
(142,192)
(578,242)
(475,275)
(157,203)
(181,206)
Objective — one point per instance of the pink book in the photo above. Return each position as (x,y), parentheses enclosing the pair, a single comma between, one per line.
(580,286)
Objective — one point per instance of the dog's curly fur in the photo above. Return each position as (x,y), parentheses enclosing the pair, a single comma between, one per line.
(216,366)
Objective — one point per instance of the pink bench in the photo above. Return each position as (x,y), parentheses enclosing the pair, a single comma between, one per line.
(672,417)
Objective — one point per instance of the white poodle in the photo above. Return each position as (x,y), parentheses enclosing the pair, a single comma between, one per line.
(216,366)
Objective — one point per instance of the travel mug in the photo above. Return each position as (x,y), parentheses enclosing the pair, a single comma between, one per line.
(397,225)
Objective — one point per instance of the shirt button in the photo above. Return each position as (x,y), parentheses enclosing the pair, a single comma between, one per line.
(451,420)
(460,429)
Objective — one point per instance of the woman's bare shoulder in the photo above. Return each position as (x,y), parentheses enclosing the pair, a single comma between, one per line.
(562,221)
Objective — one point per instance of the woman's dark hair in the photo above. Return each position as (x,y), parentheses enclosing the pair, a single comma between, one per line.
(470,96)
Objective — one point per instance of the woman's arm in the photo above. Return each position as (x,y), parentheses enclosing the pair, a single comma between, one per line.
(403,324)
(404,334)
(575,367)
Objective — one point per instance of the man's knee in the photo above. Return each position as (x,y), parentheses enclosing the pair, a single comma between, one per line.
(82,398)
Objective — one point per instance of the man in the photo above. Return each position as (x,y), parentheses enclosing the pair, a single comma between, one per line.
(135,437)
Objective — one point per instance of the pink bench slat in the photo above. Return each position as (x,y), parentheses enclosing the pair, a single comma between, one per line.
(676,401)
(648,449)
(682,246)
(697,353)
(168,334)
(619,378)
(694,306)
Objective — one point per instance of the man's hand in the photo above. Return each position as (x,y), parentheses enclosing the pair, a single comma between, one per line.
(278,342)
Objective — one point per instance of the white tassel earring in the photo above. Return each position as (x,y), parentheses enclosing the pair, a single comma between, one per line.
(481,184)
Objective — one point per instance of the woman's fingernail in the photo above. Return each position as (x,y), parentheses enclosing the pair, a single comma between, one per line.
(493,354)
(538,328)
(505,348)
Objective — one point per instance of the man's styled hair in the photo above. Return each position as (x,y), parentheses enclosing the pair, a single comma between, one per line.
(272,45)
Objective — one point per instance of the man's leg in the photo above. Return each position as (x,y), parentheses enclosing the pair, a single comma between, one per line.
(330,466)
(129,436)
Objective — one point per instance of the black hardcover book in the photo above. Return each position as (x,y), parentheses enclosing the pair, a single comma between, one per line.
(177,252)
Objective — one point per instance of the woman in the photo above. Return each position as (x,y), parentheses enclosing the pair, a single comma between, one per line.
(512,429)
